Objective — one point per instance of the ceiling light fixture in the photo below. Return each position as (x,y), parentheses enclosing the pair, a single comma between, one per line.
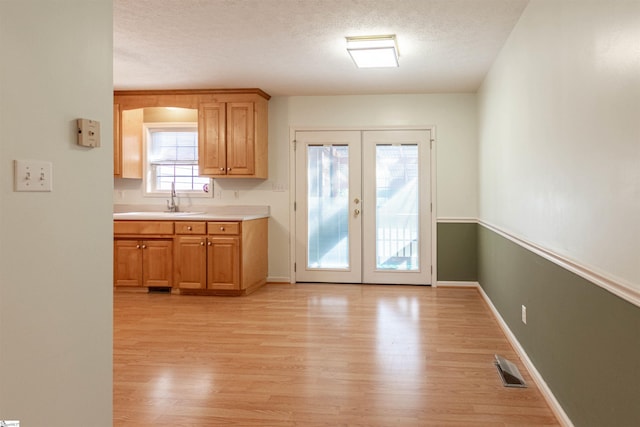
(373,51)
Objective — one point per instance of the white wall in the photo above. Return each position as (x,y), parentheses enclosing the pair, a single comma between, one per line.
(559,119)
(454,117)
(55,248)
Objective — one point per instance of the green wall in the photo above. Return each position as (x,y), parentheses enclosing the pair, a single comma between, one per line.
(457,247)
(584,341)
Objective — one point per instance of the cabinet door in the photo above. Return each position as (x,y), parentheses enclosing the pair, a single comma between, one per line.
(240,138)
(157,263)
(191,262)
(117,148)
(127,263)
(223,263)
(130,144)
(212,154)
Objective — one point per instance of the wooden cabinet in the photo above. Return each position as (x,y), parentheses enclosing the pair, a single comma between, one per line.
(209,262)
(117,146)
(231,258)
(229,142)
(128,142)
(143,253)
(232,130)
(143,263)
(223,256)
(207,258)
(190,256)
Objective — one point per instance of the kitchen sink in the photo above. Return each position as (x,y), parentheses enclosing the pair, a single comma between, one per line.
(149,214)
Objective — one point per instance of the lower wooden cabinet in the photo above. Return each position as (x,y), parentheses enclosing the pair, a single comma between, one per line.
(202,257)
(231,258)
(191,262)
(143,263)
(223,263)
(207,263)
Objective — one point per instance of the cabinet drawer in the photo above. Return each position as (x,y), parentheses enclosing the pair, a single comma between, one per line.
(143,227)
(191,227)
(223,227)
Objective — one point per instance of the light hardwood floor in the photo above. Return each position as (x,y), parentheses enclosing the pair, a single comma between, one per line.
(316,355)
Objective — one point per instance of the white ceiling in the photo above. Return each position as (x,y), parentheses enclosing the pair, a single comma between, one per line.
(297,47)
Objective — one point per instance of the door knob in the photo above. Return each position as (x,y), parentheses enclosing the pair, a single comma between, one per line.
(356,200)
(356,212)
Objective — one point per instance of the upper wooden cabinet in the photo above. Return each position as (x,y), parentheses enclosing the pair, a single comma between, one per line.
(127,146)
(232,130)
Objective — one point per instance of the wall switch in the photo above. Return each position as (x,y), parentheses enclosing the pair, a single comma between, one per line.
(524,314)
(88,133)
(33,175)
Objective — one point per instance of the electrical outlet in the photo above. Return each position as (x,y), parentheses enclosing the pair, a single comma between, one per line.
(278,187)
(524,314)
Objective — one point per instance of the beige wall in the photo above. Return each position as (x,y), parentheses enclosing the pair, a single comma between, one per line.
(55,248)
(453,115)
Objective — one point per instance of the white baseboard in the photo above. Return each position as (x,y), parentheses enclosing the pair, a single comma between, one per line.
(276,279)
(537,378)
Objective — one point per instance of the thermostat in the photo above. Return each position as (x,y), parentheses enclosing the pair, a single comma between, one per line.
(88,133)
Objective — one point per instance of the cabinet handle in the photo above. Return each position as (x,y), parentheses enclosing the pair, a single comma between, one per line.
(208,243)
(144,246)
(221,228)
(189,228)
(137,246)
(201,243)
(221,169)
(228,169)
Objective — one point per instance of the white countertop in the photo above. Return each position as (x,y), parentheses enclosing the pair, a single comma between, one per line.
(219,213)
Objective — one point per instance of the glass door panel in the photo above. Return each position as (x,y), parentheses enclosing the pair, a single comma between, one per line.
(397,231)
(396,207)
(328,206)
(328,231)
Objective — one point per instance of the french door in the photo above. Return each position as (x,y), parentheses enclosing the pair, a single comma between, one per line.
(363,206)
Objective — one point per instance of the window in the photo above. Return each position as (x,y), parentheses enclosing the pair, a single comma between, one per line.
(172,157)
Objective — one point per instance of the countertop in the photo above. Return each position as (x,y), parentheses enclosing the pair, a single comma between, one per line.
(220,213)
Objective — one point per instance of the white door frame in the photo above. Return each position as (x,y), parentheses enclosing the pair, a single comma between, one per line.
(292,189)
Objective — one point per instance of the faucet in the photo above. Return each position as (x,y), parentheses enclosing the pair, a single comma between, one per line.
(171,205)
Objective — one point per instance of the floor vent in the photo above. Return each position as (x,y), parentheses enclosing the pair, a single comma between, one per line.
(509,373)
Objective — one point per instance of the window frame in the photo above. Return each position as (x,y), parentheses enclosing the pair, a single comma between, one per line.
(147,129)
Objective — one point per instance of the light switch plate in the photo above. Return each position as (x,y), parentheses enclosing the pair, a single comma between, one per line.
(33,175)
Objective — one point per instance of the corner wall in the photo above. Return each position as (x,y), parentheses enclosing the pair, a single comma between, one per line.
(583,340)
(56,248)
(558,168)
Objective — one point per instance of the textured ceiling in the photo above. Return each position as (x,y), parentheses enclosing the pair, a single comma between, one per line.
(297,47)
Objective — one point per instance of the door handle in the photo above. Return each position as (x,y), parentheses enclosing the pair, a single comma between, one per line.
(356,212)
